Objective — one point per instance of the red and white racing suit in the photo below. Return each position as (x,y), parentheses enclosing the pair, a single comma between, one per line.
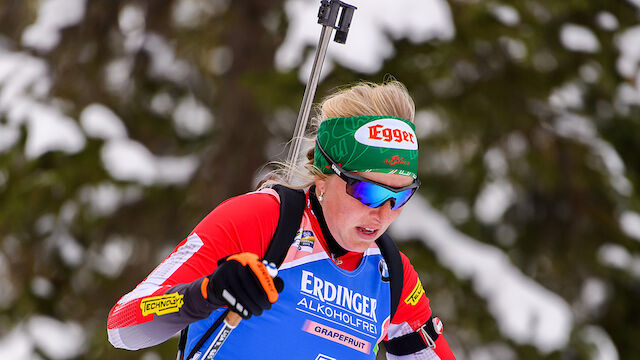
(244,223)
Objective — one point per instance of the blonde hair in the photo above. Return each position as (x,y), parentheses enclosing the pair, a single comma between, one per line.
(390,98)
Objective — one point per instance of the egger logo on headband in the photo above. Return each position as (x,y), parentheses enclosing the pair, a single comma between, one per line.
(368,144)
(387,133)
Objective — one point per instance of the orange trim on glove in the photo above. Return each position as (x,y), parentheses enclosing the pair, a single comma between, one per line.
(203,287)
(258,268)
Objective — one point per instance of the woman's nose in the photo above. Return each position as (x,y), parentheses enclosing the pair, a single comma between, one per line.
(383,212)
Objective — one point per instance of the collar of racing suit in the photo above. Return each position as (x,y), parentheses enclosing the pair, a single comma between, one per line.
(335,248)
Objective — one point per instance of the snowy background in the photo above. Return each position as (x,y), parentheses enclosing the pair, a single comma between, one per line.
(528,118)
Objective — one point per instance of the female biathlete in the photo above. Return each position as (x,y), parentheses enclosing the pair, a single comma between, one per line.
(333,296)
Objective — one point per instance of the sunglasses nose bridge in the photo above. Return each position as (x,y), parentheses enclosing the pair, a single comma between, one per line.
(382,207)
(392,202)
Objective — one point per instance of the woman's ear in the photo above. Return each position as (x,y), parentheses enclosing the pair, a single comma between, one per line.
(321,185)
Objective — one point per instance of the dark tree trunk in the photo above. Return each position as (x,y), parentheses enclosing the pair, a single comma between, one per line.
(241,130)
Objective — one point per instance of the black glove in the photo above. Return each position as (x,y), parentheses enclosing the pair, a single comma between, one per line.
(243,283)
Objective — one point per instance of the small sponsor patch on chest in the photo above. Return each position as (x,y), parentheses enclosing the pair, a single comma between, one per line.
(304,241)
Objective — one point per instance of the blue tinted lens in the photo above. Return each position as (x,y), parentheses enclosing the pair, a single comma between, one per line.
(374,195)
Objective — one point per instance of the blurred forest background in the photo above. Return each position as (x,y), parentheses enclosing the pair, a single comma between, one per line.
(123,123)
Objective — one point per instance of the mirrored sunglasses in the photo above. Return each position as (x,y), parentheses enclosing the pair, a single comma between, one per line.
(369,192)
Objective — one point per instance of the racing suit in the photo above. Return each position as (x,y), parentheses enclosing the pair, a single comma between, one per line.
(335,303)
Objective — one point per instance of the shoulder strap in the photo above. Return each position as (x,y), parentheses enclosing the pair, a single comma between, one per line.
(391,255)
(428,333)
(292,204)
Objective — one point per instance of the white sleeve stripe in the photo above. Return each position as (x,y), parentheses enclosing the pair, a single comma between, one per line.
(136,337)
(426,354)
(166,268)
(115,340)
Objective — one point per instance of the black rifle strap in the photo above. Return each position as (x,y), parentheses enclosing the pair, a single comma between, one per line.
(391,255)
(426,335)
(292,204)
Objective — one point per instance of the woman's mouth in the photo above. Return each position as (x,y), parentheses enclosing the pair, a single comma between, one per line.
(367,231)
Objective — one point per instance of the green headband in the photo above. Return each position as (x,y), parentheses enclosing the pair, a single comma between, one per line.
(383,144)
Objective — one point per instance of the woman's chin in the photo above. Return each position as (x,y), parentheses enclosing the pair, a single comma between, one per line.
(360,242)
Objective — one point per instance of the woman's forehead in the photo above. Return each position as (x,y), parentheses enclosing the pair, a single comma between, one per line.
(393,180)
